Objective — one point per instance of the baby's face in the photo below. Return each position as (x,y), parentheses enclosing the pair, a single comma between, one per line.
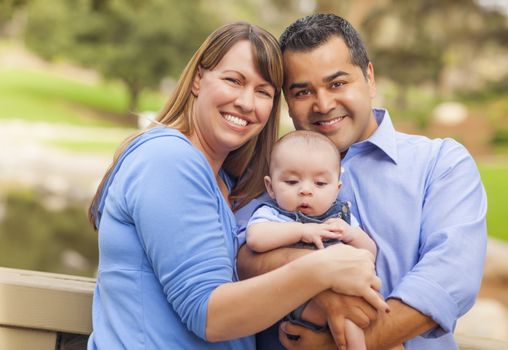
(304,180)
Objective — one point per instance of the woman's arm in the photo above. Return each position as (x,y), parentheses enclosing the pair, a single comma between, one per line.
(246,307)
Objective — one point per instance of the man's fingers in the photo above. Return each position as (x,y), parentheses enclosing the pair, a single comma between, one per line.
(360,318)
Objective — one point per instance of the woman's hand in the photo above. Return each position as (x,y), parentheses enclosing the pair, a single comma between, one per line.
(350,271)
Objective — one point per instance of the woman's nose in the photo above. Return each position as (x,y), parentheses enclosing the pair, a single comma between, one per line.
(245,100)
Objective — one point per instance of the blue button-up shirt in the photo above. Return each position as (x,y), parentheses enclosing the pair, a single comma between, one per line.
(424,204)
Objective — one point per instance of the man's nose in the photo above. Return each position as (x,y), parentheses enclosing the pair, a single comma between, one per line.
(324,103)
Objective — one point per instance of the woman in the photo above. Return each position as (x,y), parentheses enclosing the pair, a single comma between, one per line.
(167,246)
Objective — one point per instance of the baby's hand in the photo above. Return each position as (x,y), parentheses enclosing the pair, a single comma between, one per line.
(316,233)
(344,231)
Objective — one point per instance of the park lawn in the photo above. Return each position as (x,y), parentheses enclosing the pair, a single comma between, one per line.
(85,146)
(43,96)
(495,178)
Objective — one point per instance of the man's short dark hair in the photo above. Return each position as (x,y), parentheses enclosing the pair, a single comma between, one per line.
(311,31)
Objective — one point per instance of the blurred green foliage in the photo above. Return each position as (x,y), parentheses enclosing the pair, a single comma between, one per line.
(494,177)
(35,238)
(137,42)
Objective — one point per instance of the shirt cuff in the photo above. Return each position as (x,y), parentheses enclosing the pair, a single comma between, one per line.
(430,299)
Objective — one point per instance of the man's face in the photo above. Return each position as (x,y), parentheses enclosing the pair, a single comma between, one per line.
(326,93)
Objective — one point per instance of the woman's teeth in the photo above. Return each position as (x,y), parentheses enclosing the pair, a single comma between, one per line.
(235,120)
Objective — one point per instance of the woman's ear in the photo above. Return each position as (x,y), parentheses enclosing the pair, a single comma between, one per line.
(196,82)
(269,188)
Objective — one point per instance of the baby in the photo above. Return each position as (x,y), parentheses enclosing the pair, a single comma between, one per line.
(303,185)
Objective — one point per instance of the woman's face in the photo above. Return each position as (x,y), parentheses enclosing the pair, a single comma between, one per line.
(233,102)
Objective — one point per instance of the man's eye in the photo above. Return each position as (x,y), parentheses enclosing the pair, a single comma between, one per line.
(337,84)
(302,93)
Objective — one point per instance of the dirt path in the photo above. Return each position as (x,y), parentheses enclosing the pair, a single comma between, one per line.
(27,157)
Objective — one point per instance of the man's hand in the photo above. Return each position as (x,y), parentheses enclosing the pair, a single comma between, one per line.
(339,307)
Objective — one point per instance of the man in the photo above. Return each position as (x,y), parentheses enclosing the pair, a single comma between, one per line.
(421,200)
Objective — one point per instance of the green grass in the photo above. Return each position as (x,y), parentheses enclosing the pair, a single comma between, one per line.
(495,178)
(86,146)
(44,96)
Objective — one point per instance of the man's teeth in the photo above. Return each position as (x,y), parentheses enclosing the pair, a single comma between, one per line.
(235,120)
(330,122)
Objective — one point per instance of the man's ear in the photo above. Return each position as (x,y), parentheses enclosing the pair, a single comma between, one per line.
(196,82)
(371,81)
(269,187)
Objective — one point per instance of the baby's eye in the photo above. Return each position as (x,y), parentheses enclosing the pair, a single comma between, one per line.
(291,182)
(321,183)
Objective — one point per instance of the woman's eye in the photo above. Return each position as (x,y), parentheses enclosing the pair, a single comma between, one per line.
(232,80)
(265,93)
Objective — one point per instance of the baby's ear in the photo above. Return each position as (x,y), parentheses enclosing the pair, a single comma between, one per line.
(339,185)
(268,185)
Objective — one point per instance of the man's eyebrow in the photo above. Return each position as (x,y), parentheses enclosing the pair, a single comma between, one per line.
(331,77)
(298,86)
(334,75)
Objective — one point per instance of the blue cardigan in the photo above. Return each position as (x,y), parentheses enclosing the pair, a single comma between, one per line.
(166,241)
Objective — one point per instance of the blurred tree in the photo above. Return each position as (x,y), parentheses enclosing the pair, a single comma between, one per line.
(138,42)
(7,10)
(413,42)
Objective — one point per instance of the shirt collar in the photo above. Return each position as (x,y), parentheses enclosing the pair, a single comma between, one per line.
(384,136)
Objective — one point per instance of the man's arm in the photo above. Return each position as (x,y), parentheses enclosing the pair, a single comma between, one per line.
(401,324)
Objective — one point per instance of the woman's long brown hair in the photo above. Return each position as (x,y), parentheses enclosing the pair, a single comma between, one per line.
(247,164)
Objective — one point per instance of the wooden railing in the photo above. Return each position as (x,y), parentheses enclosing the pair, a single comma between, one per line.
(48,311)
(44,311)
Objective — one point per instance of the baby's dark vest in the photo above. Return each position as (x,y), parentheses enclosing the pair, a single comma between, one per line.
(338,209)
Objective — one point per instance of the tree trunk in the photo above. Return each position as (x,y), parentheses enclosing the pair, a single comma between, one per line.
(134,92)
